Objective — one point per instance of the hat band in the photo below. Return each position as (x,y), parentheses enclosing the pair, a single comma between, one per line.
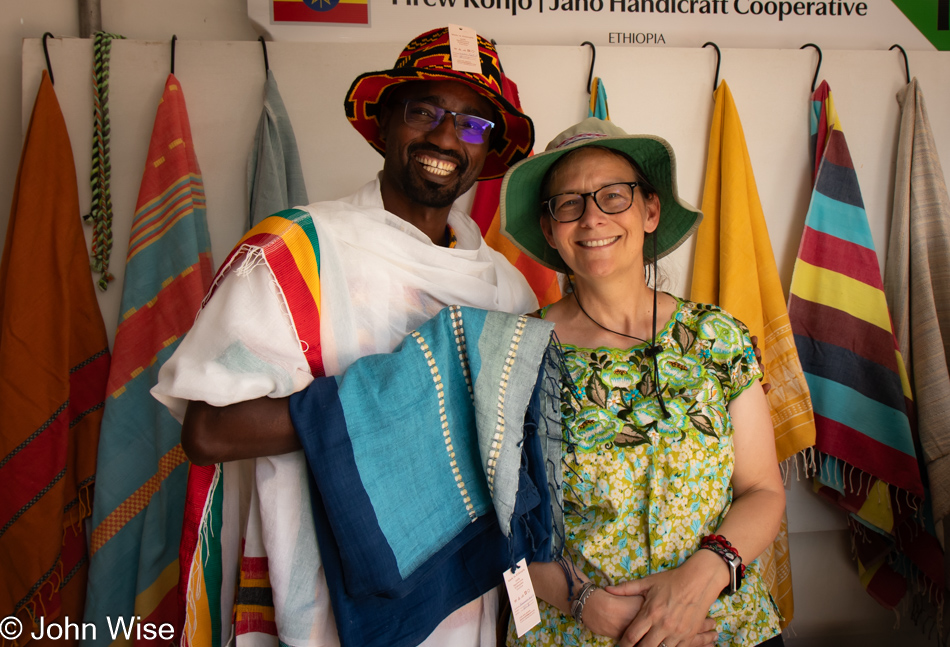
(579,138)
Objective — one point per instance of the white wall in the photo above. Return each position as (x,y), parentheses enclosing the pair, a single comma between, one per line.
(666,91)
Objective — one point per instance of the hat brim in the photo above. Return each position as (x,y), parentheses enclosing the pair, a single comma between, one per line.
(520,202)
(511,140)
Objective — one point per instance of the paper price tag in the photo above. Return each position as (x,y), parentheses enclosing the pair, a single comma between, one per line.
(463,47)
(524,603)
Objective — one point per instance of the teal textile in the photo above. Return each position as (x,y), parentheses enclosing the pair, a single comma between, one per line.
(435,433)
(274,175)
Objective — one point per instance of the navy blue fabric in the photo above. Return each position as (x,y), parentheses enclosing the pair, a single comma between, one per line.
(317,410)
(466,568)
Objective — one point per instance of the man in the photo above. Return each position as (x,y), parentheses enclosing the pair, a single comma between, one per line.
(306,293)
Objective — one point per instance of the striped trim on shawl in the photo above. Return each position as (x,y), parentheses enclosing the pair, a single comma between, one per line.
(287,241)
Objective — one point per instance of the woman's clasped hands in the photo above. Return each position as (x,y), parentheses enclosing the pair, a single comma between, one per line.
(673,605)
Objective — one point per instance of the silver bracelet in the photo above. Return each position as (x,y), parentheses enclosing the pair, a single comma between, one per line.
(577,607)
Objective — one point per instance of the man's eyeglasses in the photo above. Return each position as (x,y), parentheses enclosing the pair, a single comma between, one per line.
(611,199)
(468,128)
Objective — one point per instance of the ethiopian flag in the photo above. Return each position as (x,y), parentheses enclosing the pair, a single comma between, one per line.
(343,12)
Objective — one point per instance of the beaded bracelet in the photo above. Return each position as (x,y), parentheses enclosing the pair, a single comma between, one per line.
(721,546)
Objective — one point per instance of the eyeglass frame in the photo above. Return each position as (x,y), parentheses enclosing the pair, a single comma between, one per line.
(593,196)
(440,114)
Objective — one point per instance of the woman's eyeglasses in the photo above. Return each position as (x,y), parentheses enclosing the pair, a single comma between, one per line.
(425,116)
(611,199)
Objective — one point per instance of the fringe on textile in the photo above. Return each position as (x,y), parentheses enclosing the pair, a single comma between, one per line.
(196,580)
(805,463)
(34,605)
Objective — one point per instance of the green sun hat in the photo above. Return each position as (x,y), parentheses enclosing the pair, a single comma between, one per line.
(521,190)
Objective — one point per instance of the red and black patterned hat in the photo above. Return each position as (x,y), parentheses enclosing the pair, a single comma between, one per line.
(428,58)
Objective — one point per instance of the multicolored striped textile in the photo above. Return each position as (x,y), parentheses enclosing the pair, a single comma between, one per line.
(859,389)
(54,361)
(143,470)
(485,213)
(734,267)
(291,248)
(598,100)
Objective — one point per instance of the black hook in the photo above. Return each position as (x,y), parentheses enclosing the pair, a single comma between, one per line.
(718,61)
(906,66)
(593,57)
(264,47)
(49,68)
(818,67)
(174,38)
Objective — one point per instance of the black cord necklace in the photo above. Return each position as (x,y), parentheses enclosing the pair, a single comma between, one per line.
(653,350)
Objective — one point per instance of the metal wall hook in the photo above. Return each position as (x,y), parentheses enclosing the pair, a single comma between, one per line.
(593,57)
(817,67)
(906,66)
(264,47)
(718,62)
(174,38)
(49,68)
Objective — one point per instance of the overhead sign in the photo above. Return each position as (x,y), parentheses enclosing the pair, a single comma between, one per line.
(766,24)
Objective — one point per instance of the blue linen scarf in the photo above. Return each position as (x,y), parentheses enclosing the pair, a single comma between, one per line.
(433,469)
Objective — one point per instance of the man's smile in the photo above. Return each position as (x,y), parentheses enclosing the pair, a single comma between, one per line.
(436,166)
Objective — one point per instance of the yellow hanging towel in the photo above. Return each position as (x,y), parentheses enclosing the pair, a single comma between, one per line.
(734,267)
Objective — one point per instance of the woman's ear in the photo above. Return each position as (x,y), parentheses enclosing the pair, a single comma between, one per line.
(652,219)
(546,230)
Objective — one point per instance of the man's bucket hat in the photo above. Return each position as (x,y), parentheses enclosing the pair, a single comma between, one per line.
(521,190)
(428,58)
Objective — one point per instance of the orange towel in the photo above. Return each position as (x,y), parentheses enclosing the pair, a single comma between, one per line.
(54,361)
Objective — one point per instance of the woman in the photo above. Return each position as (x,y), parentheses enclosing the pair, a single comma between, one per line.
(670,472)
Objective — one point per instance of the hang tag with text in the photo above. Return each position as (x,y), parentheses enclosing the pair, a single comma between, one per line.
(463,45)
(524,603)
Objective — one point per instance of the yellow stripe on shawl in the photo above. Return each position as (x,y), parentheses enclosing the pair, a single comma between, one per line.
(876,509)
(197,630)
(841,292)
(831,114)
(298,244)
(902,370)
(150,598)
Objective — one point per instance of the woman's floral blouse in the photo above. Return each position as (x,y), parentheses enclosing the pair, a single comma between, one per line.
(640,490)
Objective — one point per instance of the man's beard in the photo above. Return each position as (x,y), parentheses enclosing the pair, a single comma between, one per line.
(432,194)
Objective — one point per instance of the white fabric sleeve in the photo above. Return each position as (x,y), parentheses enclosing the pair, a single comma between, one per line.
(241,347)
